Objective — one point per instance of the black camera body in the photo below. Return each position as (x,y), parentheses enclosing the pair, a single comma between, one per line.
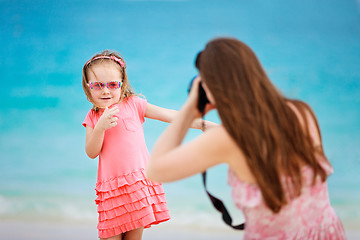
(203,100)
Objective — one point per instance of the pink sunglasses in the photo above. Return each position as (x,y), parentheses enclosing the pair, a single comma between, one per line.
(113,85)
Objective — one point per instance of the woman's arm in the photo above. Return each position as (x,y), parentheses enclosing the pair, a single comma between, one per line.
(171,161)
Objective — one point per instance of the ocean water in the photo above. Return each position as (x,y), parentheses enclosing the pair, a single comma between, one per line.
(310,49)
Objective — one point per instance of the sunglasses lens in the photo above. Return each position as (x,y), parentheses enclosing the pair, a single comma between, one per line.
(113,85)
(99,85)
(96,85)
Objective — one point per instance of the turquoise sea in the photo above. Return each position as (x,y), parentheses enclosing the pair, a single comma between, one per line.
(310,49)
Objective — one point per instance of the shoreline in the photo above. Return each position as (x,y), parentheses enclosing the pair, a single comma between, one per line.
(56,230)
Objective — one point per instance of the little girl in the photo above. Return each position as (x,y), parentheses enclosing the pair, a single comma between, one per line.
(127,201)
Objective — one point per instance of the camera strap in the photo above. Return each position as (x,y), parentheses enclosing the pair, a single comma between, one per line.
(218,204)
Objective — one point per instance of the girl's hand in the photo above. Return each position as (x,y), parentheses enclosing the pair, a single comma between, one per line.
(107,119)
(206,125)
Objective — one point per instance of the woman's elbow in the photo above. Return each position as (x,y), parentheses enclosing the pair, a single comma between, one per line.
(154,173)
(150,174)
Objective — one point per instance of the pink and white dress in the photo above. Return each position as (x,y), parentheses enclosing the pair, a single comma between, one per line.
(126,199)
(310,216)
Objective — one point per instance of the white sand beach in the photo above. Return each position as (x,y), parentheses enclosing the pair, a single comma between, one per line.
(15,230)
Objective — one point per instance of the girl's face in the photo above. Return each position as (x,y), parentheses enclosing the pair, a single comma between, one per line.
(106,84)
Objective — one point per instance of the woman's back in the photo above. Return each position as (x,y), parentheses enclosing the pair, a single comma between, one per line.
(309,216)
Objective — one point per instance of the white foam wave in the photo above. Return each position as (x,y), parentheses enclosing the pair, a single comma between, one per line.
(55,208)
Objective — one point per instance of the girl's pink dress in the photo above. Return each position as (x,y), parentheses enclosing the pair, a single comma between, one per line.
(310,216)
(126,199)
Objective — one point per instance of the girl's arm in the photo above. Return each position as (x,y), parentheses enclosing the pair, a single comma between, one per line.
(94,141)
(159,113)
(168,115)
(95,136)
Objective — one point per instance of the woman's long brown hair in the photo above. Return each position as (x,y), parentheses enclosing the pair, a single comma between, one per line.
(259,119)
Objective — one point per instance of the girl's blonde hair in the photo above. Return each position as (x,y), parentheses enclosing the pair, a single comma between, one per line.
(107,56)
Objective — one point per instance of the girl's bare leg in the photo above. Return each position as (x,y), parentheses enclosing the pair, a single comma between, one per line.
(117,237)
(135,234)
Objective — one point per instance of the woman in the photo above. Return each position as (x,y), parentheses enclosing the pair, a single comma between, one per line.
(277,167)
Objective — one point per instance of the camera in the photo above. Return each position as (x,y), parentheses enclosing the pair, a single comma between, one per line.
(203,100)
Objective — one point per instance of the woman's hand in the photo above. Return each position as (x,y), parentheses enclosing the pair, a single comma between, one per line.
(107,119)
(193,98)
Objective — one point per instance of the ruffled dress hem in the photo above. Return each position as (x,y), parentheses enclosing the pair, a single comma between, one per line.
(128,202)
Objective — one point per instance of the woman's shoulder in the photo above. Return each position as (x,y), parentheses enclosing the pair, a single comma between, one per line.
(219,137)
(220,134)
(233,154)
(307,119)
